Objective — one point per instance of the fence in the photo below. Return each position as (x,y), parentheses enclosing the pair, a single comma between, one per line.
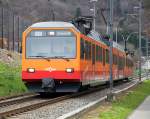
(11,29)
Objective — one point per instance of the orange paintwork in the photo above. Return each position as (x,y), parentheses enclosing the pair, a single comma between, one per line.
(85,67)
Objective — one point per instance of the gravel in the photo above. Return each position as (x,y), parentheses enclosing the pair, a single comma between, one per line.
(56,110)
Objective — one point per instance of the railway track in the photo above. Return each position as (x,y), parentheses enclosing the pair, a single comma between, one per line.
(41,104)
(15,96)
(54,100)
(18,100)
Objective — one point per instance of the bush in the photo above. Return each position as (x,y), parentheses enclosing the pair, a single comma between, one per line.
(10,80)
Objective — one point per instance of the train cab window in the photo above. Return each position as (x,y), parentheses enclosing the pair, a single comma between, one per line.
(55,44)
(107,56)
(82,49)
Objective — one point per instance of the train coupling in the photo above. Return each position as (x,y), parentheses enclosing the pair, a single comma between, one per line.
(48,84)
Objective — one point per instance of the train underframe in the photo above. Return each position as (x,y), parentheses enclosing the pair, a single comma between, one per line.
(48,85)
(51,85)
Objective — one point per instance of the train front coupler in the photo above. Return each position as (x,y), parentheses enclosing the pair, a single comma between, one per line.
(48,85)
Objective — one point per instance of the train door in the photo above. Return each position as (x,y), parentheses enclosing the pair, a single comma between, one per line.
(93,62)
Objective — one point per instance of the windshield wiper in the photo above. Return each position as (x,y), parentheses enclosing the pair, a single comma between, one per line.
(44,57)
(61,57)
(47,58)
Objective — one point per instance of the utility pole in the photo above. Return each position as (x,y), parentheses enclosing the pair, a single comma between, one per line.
(52,13)
(2,27)
(13,33)
(108,8)
(140,37)
(117,27)
(147,57)
(110,31)
(94,16)
(18,34)
(94,13)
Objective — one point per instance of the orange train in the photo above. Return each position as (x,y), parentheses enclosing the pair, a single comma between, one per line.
(57,57)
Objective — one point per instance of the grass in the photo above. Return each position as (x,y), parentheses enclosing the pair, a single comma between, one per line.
(122,107)
(10,80)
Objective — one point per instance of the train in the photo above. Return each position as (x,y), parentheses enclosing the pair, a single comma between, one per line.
(62,57)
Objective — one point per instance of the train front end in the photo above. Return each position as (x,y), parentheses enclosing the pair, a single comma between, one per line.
(50,58)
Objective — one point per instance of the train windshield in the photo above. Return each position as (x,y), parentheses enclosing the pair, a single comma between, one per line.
(51,44)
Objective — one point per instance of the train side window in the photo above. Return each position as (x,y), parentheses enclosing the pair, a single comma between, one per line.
(127,62)
(82,49)
(93,54)
(116,62)
(86,50)
(97,53)
(113,59)
(123,62)
(89,50)
(101,55)
(107,56)
(104,57)
(119,59)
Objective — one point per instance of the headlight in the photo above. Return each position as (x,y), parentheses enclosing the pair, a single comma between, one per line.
(69,70)
(31,70)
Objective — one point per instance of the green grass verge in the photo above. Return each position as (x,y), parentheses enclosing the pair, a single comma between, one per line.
(124,105)
(10,80)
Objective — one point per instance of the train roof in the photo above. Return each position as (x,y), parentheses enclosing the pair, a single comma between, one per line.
(60,24)
(117,46)
(96,36)
(56,24)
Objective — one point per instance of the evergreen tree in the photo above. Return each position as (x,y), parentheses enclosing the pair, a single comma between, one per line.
(78,12)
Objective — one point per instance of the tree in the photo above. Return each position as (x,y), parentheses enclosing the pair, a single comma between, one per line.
(147,4)
(78,12)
